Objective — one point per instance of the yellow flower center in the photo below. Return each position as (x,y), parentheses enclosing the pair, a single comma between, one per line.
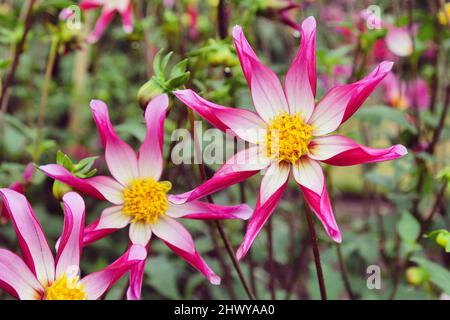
(65,289)
(288,137)
(146,199)
(444,14)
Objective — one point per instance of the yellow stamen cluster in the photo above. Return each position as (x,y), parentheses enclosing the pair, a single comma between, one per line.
(65,289)
(288,137)
(146,199)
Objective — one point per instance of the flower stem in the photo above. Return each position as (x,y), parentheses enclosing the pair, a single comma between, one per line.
(219,226)
(44,97)
(271,259)
(344,273)
(315,247)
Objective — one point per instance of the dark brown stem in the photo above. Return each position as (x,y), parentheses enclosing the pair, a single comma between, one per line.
(315,247)
(222,19)
(16,58)
(437,133)
(271,260)
(344,273)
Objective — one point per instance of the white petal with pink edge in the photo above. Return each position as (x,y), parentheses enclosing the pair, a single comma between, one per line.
(17,279)
(300,82)
(71,241)
(140,233)
(309,173)
(113,218)
(275,176)
(174,233)
(203,210)
(150,157)
(35,250)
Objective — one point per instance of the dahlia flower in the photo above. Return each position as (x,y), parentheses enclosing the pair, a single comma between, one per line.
(109,9)
(294,133)
(137,196)
(37,276)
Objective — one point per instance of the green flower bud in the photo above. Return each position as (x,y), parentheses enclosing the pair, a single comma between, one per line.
(443,239)
(147,92)
(60,189)
(416,276)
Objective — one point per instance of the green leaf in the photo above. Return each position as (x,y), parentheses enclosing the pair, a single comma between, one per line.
(438,275)
(178,69)
(376,114)
(162,276)
(157,63)
(408,228)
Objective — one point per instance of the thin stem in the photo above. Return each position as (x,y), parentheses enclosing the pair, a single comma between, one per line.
(344,273)
(226,241)
(44,97)
(315,247)
(271,260)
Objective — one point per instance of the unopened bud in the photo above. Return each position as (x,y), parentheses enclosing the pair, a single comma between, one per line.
(60,189)
(416,276)
(147,92)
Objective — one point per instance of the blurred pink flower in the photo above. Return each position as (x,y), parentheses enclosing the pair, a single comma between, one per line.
(403,95)
(399,42)
(65,14)
(138,198)
(303,128)
(18,186)
(109,9)
(38,276)
(340,75)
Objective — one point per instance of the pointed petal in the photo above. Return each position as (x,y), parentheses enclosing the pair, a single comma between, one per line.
(338,150)
(274,178)
(120,158)
(110,221)
(136,279)
(300,83)
(90,4)
(245,124)
(244,51)
(96,284)
(100,187)
(342,102)
(263,211)
(204,211)
(16,278)
(71,242)
(240,167)
(309,175)
(171,231)
(127,19)
(150,158)
(100,26)
(177,238)
(35,250)
(267,92)
(140,233)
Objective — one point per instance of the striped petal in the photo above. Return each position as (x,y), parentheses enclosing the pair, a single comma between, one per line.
(100,187)
(150,158)
(96,284)
(300,83)
(120,158)
(342,102)
(342,151)
(245,124)
(71,241)
(309,175)
(35,250)
(205,211)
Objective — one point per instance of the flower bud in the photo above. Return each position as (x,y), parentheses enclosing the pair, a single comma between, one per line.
(443,239)
(60,189)
(416,276)
(147,92)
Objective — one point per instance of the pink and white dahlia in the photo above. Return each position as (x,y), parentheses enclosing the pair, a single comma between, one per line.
(37,276)
(138,197)
(297,133)
(109,9)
